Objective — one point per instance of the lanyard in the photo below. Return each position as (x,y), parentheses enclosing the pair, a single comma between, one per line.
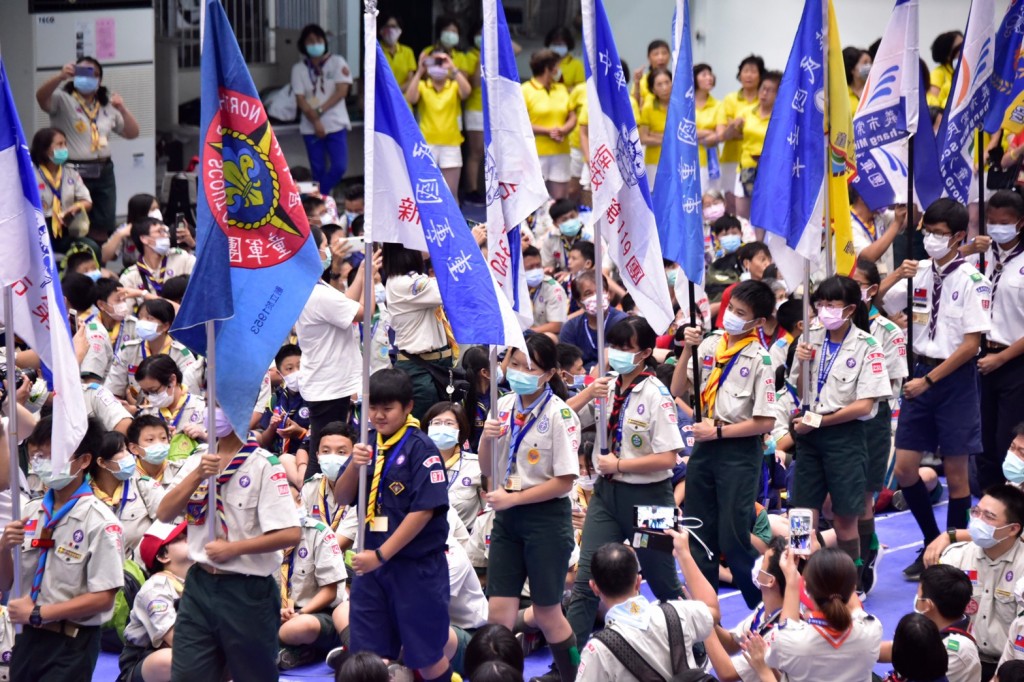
(622,418)
(590,335)
(828,359)
(124,497)
(518,434)
(181,411)
(869,231)
(760,627)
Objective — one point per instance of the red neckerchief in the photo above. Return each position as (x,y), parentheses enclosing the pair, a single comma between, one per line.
(816,619)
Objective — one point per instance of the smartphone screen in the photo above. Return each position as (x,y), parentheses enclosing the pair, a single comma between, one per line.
(800,530)
(85,70)
(308,188)
(654,517)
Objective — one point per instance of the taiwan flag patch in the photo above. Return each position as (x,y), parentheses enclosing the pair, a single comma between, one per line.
(1018,643)
(30,527)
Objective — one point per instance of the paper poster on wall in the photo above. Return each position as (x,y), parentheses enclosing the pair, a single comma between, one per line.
(85,39)
(105,39)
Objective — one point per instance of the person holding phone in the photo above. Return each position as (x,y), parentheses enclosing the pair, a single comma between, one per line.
(87,112)
(65,198)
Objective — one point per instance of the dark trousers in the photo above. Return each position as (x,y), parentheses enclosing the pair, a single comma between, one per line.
(610,519)
(425,393)
(227,621)
(322,413)
(1002,408)
(722,479)
(44,656)
(103,214)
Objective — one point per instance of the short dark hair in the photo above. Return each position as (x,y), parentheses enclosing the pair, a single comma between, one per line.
(1012,498)
(338,428)
(492,642)
(568,355)
(141,228)
(1008,199)
(563,34)
(159,309)
(455,408)
(542,60)
(104,287)
(626,330)
(42,434)
(700,68)
(41,143)
(561,207)
(851,55)
(586,249)
(726,222)
(174,288)
(159,367)
(145,421)
(754,59)
(870,271)
(778,545)
(1011,671)
(496,671)
(752,250)
(79,290)
(444,21)
(364,666)
(102,94)
(918,652)
(355,191)
(942,47)
(789,314)
(390,386)
(614,568)
(1018,430)
(842,288)
(948,211)
(657,43)
(286,351)
(111,443)
(531,251)
(757,295)
(310,201)
(319,238)
(543,353)
(948,588)
(308,31)
(73,260)
(139,205)
(654,73)
(398,261)
(773,76)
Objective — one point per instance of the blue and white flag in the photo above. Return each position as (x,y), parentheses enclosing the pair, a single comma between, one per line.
(28,266)
(969,99)
(889,110)
(678,199)
(1007,110)
(621,197)
(514,183)
(413,206)
(789,189)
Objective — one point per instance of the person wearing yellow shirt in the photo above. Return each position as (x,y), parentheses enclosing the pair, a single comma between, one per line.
(707,127)
(473,117)
(857,63)
(730,125)
(755,126)
(570,70)
(547,104)
(579,170)
(400,57)
(945,51)
(437,90)
(658,56)
(652,119)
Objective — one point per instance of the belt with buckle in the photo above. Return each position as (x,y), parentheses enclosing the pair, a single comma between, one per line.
(930,362)
(213,570)
(61,627)
(998,347)
(428,357)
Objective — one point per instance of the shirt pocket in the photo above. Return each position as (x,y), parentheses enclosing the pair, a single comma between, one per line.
(636,436)
(1005,605)
(952,314)
(243,504)
(843,384)
(66,564)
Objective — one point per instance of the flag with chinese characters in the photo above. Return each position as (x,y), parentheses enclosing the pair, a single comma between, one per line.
(514,183)
(618,176)
(1007,109)
(888,115)
(413,206)
(27,266)
(256,261)
(841,159)
(969,99)
(678,200)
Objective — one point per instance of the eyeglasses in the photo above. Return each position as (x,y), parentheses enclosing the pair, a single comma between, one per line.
(987,516)
(1017,449)
(445,422)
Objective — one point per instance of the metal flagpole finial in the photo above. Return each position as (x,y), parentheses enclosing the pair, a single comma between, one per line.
(371,6)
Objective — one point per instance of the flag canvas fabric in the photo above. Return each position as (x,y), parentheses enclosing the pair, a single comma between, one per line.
(1007,109)
(623,211)
(256,260)
(28,266)
(413,206)
(842,165)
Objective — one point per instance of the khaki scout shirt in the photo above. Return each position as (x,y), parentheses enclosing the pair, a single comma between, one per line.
(549,302)
(131,355)
(548,449)
(649,426)
(315,562)
(857,372)
(749,388)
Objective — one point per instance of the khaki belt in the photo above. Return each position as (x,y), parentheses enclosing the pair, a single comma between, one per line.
(428,357)
(61,627)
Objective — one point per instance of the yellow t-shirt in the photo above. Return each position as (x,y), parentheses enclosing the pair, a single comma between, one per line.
(653,116)
(707,119)
(470,62)
(942,78)
(572,71)
(754,129)
(402,62)
(547,109)
(732,108)
(577,103)
(439,113)
(854,101)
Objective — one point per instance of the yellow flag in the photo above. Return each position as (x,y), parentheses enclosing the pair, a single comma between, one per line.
(841,152)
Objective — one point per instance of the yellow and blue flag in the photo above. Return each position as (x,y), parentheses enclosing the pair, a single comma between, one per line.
(1007,110)
(841,154)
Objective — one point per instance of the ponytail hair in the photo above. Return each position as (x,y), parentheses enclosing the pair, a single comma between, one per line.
(544,354)
(830,578)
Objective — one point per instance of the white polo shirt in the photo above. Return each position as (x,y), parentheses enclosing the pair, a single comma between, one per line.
(329,336)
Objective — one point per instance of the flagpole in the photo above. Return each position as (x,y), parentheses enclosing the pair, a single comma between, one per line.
(805,367)
(495,454)
(981,194)
(910,227)
(602,427)
(827,215)
(12,431)
(369,125)
(698,411)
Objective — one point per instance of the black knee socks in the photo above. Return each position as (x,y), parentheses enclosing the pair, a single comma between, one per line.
(567,658)
(957,511)
(921,507)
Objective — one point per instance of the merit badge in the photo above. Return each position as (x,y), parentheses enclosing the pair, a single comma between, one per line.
(401,460)
(533,456)
(79,536)
(956,295)
(436,477)
(543,425)
(744,371)
(972,608)
(851,363)
(636,440)
(566,413)
(396,488)
(245,481)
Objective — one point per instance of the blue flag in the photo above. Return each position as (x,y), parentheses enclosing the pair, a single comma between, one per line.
(1007,110)
(256,261)
(678,199)
(413,206)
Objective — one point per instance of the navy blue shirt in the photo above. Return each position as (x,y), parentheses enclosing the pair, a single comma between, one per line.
(578,333)
(416,480)
(296,409)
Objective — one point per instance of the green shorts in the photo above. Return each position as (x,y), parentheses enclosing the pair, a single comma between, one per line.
(878,435)
(762,529)
(831,461)
(459,659)
(328,637)
(533,541)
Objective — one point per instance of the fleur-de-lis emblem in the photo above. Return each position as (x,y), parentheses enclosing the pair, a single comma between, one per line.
(240,177)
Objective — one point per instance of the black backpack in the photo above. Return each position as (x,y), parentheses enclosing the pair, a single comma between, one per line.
(640,668)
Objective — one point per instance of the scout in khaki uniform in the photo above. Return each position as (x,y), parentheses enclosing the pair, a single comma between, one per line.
(448,426)
(336,442)
(231,607)
(643,439)
(550,304)
(101,404)
(107,328)
(134,352)
(738,399)
(536,436)
(149,439)
(164,396)
(71,566)
(158,261)
(992,560)
(848,377)
(1014,648)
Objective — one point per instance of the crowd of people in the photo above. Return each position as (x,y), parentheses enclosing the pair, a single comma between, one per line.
(492,530)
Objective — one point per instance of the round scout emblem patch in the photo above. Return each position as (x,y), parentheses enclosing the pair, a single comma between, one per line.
(636,440)
(744,371)
(78,536)
(303,552)
(245,481)
(533,456)
(851,363)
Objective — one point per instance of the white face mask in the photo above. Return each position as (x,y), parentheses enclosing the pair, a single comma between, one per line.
(534,277)
(156,215)
(162,245)
(119,310)
(1001,234)
(936,245)
(916,610)
(733,323)
(291,382)
(587,482)
(162,399)
(331,465)
(147,329)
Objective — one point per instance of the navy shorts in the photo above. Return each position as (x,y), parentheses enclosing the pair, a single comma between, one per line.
(402,607)
(945,419)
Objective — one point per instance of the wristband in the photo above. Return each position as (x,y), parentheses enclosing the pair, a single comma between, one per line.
(380,557)
(618,466)
(951,532)
(719,430)
(928,380)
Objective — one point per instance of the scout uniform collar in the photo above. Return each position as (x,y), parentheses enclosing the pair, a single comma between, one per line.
(634,612)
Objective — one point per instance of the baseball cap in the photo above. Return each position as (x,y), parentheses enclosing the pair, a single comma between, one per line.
(158,535)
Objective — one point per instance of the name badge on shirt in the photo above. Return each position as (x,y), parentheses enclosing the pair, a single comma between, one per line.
(379,524)
(515,483)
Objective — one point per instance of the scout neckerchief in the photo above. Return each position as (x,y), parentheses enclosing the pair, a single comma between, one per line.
(816,619)
(177,583)
(324,503)
(383,457)
(567,244)
(764,621)
(91,113)
(53,182)
(171,416)
(829,354)
(153,279)
(316,73)
(619,403)
(113,334)
(634,612)
(449,335)
(50,521)
(121,491)
(725,358)
(873,314)
(453,474)
(196,510)
(519,426)
(147,349)
(869,230)
(287,567)
(937,276)
(1001,258)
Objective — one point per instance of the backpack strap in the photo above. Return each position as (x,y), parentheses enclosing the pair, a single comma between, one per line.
(676,638)
(628,656)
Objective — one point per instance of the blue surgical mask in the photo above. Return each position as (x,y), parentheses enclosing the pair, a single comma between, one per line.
(94,275)
(560,50)
(730,242)
(570,227)
(534,277)
(125,468)
(579,381)
(621,361)
(444,437)
(326,260)
(983,534)
(43,468)
(478,41)
(672,275)
(350,217)
(1013,468)
(316,50)
(87,84)
(156,453)
(522,383)
(60,156)
(449,39)
(331,465)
